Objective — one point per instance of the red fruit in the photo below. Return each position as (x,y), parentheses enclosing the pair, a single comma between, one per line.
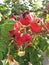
(26,38)
(11,33)
(35,27)
(25,19)
(16,26)
(14,33)
(17,34)
(19,41)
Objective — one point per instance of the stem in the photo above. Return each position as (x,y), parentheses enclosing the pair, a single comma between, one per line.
(9,47)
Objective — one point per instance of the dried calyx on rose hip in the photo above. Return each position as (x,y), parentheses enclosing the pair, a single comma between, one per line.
(38,20)
(26,18)
(12,33)
(11,60)
(25,13)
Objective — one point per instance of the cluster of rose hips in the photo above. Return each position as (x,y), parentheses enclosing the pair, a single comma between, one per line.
(27,25)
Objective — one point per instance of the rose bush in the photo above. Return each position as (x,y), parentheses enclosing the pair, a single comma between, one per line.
(23,36)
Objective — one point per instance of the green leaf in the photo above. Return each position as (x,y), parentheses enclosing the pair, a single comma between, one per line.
(3,49)
(0,29)
(48,36)
(7,63)
(7,12)
(3,8)
(1,63)
(47,51)
(35,43)
(22,60)
(35,56)
(1,56)
(0,18)
(3,46)
(6,27)
(42,44)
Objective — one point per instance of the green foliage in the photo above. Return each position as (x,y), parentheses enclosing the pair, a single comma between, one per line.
(3,49)
(2,46)
(1,56)
(42,44)
(1,63)
(7,63)
(22,60)
(33,54)
(47,51)
(6,27)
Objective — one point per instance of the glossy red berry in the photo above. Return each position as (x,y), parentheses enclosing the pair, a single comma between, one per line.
(17,34)
(23,39)
(35,27)
(19,41)
(26,38)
